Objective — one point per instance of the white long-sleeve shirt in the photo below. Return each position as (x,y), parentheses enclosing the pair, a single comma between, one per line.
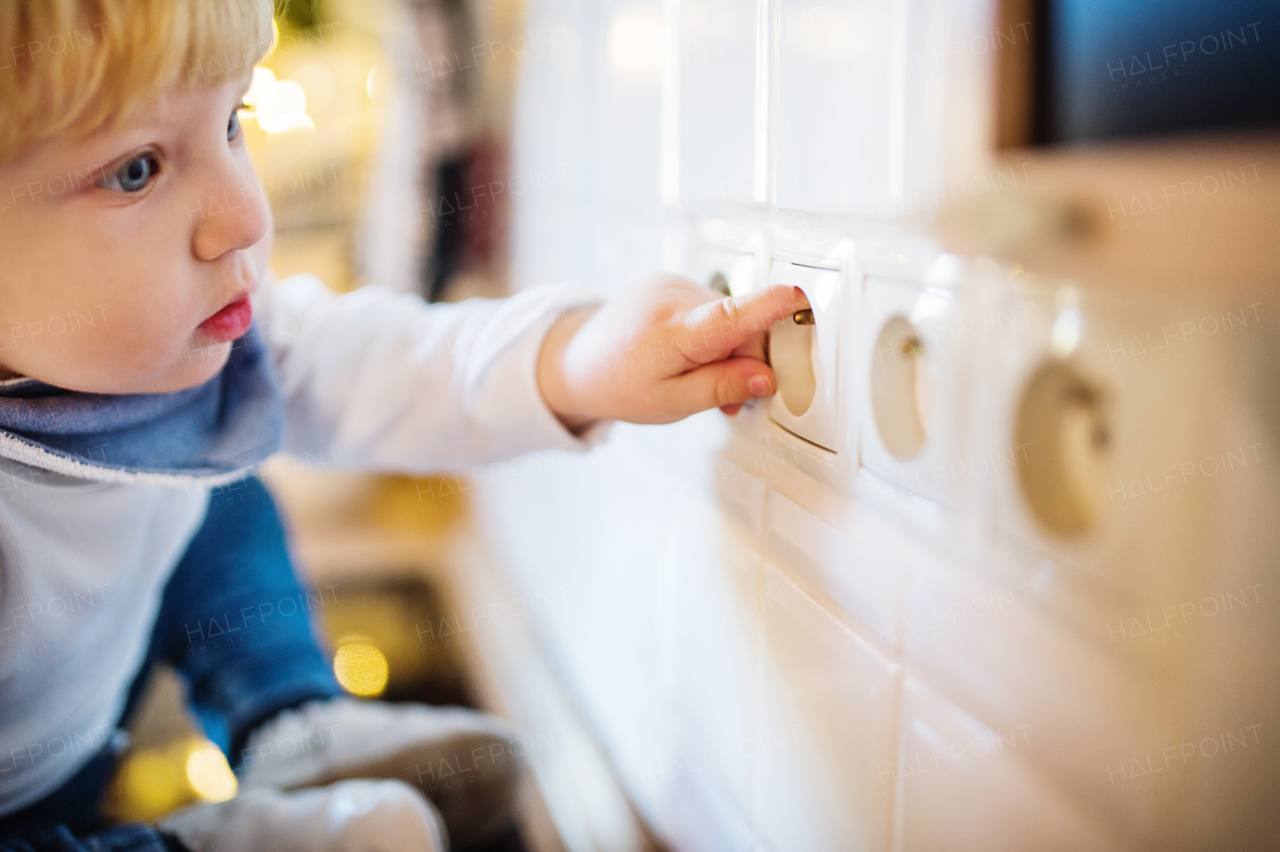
(370,379)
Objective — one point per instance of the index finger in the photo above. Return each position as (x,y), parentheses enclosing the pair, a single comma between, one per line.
(721,326)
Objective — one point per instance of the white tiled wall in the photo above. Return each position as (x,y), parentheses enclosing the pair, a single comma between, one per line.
(824,693)
(838,91)
(788,647)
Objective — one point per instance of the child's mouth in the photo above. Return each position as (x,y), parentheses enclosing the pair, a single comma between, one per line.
(230,322)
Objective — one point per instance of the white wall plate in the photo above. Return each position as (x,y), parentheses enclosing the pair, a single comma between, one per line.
(912,377)
(1105,456)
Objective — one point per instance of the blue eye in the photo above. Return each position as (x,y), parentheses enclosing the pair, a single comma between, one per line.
(134,175)
(233,125)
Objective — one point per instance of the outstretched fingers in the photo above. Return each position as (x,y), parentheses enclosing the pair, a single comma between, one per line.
(725,384)
(719,327)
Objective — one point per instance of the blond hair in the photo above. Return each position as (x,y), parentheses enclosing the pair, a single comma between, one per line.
(71,67)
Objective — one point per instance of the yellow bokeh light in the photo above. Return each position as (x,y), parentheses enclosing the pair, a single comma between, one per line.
(361,668)
(262,89)
(147,786)
(278,105)
(209,774)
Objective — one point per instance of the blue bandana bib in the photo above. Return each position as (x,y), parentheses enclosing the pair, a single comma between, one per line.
(210,434)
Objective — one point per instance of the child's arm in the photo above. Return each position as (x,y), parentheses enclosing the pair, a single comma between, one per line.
(661,351)
(383,380)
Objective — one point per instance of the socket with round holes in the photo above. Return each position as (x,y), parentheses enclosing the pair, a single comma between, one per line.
(803,351)
(793,351)
(901,391)
(727,270)
(1062,422)
(911,369)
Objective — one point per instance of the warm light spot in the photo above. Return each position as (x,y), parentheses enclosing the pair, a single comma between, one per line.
(284,109)
(1067,330)
(262,90)
(147,786)
(293,121)
(209,774)
(636,46)
(361,668)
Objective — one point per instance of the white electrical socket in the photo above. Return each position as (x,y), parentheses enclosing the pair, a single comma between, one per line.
(912,368)
(807,418)
(728,271)
(1051,440)
(805,357)
(1097,458)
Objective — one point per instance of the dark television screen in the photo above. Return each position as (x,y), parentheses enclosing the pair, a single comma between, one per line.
(1118,68)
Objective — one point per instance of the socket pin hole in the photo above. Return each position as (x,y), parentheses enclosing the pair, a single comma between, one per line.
(793,355)
(901,388)
(1063,452)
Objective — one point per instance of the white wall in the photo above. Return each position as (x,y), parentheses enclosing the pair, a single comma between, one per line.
(788,649)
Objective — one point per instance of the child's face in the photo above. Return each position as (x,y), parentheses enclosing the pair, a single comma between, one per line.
(117,249)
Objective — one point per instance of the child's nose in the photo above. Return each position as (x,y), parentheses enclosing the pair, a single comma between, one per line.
(231,218)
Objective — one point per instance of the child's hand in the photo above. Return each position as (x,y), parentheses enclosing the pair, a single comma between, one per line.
(661,351)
